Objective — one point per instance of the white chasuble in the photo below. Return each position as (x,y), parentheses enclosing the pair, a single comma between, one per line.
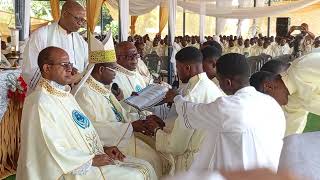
(128,82)
(52,35)
(58,140)
(184,143)
(143,70)
(238,130)
(112,124)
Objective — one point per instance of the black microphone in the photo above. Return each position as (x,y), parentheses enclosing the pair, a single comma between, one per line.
(115,89)
(175,84)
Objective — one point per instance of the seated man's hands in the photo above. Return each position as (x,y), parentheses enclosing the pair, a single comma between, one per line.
(102,160)
(156,119)
(140,126)
(171,94)
(114,153)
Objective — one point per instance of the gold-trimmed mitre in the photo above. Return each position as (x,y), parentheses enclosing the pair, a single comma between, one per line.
(102,52)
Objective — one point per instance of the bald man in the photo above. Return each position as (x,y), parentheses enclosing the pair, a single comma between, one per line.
(127,76)
(58,139)
(62,34)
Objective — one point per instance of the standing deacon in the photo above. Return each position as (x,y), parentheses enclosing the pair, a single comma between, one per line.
(59,141)
(181,142)
(62,34)
(210,56)
(238,138)
(114,125)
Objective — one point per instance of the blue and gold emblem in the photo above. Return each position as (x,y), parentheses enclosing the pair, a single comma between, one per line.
(138,88)
(80,119)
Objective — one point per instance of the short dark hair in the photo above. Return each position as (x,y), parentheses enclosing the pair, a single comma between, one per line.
(214,44)
(275,66)
(258,78)
(232,65)
(189,55)
(210,52)
(46,56)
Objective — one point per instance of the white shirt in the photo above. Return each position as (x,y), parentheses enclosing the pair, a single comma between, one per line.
(52,35)
(244,130)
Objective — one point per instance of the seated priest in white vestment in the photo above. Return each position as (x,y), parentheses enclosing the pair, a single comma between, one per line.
(142,67)
(58,140)
(257,49)
(127,78)
(114,125)
(232,48)
(62,34)
(181,142)
(237,126)
(268,49)
(298,89)
(246,49)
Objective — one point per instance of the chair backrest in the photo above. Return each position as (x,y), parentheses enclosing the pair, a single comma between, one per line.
(254,63)
(153,61)
(284,58)
(300,155)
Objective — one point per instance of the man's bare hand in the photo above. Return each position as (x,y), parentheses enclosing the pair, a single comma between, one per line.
(171,94)
(101,160)
(157,120)
(120,96)
(140,126)
(114,153)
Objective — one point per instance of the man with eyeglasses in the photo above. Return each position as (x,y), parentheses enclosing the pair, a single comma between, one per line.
(127,77)
(61,34)
(59,141)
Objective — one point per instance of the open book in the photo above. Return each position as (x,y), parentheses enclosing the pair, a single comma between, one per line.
(148,97)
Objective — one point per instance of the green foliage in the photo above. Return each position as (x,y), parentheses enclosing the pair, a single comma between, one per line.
(6,5)
(114,27)
(106,18)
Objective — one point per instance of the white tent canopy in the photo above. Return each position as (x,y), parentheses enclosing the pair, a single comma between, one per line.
(231,10)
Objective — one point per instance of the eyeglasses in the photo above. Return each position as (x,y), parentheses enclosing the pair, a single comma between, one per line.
(130,57)
(65,65)
(78,19)
(110,68)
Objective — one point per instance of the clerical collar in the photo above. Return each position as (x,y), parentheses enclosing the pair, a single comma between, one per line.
(194,81)
(54,88)
(97,86)
(123,70)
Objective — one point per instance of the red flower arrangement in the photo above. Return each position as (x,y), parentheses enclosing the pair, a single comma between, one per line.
(18,90)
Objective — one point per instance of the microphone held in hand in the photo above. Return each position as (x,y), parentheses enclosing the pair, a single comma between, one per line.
(115,89)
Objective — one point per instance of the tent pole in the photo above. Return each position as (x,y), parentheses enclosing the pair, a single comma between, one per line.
(269,20)
(101,19)
(170,49)
(119,19)
(184,22)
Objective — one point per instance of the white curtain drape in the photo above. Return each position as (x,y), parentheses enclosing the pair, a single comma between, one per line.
(221,22)
(260,3)
(242,4)
(124,16)
(137,7)
(246,13)
(202,21)
(172,4)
